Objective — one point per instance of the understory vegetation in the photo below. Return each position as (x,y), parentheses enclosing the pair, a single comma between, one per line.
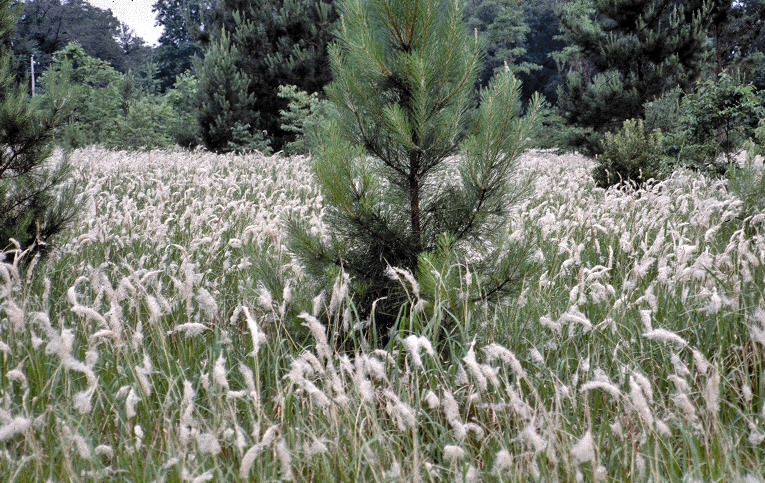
(170,335)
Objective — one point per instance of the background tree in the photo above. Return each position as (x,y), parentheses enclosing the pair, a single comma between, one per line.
(404,75)
(229,119)
(737,31)
(271,43)
(182,98)
(542,41)
(96,102)
(621,54)
(47,26)
(501,27)
(183,22)
(31,210)
(136,55)
(122,111)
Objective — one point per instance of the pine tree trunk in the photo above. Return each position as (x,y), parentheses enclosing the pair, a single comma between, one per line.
(718,53)
(414,198)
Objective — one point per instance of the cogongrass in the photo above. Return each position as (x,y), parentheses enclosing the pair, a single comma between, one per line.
(171,336)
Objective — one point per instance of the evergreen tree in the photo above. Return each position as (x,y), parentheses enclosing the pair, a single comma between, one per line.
(228,115)
(183,22)
(621,54)
(501,27)
(30,211)
(737,30)
(404,75)
(542,41)
(272,43)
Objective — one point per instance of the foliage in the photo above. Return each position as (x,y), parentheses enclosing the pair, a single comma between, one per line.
(550,131)
(47,26)
(759,135)
(96,103)
(182,22)
(629,155)
(227,113)
(621,54)
(290,38)
(738,33)
(747,182)
(717,117)
(143,125)
(404,73)
(541,41)
(306,116)
(246,140)
(122,111)
(34,201)
(502,30)
(664,112)
(182,98)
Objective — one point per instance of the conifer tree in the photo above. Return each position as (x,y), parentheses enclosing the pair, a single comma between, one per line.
(501,26)
(271,43)
(228,116)
(403,86)
(737,30)
(622,54)
(181,22)
(30,210)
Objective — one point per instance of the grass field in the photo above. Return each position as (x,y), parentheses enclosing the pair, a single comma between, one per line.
(170,336)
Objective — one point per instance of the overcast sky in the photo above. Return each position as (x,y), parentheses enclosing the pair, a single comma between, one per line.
(135,13)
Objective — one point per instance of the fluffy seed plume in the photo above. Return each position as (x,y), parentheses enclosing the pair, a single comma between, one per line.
(664,335)
(453,453)
(17,425)
(584,449)
(190,329)
(414,344)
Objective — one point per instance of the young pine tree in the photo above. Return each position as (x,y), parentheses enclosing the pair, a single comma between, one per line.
(404,75)
(621,54)
(30,206)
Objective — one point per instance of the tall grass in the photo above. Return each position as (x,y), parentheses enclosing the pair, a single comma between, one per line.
(171,336)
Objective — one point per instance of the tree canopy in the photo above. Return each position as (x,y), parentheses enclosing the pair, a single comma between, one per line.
(47,26)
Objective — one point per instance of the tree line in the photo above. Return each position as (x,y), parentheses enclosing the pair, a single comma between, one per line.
(596,62)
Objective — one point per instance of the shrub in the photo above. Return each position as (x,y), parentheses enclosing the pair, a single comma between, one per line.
(759,136)
(143,126)
(304,118)
(664,112)
(629,155)
(716,120)
(551,131)
(182,98)
(244,139)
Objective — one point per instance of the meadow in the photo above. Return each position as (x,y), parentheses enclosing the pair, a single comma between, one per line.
(169,335)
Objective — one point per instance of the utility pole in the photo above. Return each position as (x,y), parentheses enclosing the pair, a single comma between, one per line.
(32,66)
